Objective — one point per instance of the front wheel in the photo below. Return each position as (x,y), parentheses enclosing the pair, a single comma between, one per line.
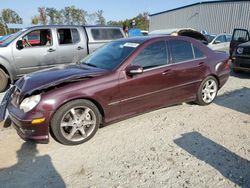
(207,91)
(75,122)
(4,81)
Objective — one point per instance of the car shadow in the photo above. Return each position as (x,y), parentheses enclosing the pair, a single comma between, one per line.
(31,170)
(235,100)
(229,164)
(242,75)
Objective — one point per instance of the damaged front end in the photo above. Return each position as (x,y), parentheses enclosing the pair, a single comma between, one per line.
(29,101)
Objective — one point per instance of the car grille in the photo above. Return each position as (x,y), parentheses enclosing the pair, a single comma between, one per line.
(246,51)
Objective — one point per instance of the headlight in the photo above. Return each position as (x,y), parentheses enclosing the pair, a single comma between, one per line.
(30,102)
(240,50)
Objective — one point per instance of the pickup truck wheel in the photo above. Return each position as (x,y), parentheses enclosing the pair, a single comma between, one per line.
(207,91)
(75,122)
(4,81)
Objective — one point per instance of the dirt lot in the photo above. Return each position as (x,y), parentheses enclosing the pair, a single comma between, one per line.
(180,146)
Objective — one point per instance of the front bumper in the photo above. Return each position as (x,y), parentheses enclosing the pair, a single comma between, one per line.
(240,63)
(22,122)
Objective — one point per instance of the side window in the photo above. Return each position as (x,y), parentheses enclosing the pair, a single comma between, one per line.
(40,37)
(198,53)
(64,36)
(75,35)
(106,34)
(181,50)
(152,56)
(228,38)
(240,36)
(220,39)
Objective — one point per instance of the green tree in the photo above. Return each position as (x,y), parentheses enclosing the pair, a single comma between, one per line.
(42,15)
(10,16)
(91,18)
(73,16)
(52,14)
(100,18)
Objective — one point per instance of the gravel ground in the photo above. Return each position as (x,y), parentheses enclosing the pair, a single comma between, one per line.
(180,146)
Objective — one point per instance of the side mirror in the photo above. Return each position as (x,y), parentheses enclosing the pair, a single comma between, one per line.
(217,42)
(19,44)
(134,70)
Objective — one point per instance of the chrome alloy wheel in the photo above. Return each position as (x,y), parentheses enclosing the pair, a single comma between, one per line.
(78,123)
(209,91)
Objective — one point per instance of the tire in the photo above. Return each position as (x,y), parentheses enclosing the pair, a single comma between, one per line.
(75,122)
(207,91)
(4,81)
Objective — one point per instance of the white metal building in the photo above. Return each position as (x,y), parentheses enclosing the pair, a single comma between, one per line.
(213,16)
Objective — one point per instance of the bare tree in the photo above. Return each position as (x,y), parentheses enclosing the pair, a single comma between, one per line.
(42,15)
(100,18)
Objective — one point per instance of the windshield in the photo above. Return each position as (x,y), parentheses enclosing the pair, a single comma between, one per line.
(110,55)
(13,37)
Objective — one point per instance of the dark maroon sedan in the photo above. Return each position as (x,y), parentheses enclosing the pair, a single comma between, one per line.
(123,78)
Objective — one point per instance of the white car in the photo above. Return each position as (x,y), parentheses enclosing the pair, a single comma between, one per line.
(219,42)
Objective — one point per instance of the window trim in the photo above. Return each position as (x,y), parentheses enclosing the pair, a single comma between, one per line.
(168,59)
(41,46)
(70,28)
(73,37)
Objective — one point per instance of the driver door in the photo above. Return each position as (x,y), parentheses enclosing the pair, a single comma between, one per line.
(38,51)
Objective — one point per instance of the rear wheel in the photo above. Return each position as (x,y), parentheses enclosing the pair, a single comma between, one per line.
(207,91)
(4,81)
(76,122)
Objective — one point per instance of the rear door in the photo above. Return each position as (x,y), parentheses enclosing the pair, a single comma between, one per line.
(188,67)
(239,36)
(71,45)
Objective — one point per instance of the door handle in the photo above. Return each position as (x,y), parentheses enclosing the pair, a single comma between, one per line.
(51,50)
(80,48)
(166,71)
(200,64)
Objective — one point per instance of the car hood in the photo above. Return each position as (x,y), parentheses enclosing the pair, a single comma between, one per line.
(55,76)
(246,44)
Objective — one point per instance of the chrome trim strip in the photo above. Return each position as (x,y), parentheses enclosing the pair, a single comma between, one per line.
(150,93)
(162,66)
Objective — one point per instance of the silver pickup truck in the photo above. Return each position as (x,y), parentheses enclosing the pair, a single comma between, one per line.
(41,47)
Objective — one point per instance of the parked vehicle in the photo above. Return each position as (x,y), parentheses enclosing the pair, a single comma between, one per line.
(123,78)
(188,32)
(3,38)
(40,47)
(219,42)
(240,50)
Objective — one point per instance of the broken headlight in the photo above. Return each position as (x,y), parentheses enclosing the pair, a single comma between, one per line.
(30,102)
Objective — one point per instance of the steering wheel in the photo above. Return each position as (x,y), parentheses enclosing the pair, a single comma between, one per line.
(27,42)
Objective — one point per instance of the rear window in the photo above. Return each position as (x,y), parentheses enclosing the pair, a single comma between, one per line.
(68,36)
(106,34)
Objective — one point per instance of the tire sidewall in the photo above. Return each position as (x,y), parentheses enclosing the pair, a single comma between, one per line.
(56,120)
(199,98)
(4,81)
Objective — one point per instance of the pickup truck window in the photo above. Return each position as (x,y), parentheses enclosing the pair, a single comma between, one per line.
(68,36)
(106,34)
(40,37)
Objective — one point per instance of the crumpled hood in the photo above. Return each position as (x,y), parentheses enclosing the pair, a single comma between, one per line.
(55,76)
